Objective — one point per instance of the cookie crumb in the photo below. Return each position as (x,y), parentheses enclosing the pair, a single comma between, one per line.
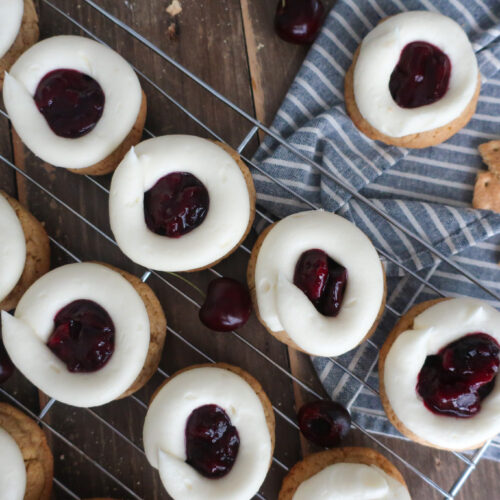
(175,8)
(260,46)
(487,192)
(172,31)
(490,153)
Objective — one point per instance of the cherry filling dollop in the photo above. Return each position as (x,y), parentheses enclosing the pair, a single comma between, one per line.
(212,443)
(322,279)
(83,336)
(70,101)
(176,204)
(421,76)
(456,380)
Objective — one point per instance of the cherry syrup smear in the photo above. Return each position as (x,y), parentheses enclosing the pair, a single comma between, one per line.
(212,443)
(83,336)
(456,380)
(322,279)
(421,76)
(176,204)
(71,102)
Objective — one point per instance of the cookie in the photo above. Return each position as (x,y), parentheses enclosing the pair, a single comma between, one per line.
(27,36)
(37,253)
(316,462)
(490,153)
(34,448)
(487,192)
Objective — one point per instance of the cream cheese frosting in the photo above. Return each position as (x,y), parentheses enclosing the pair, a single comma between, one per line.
(228,214)
(12,248)
(123,98)
(25,335)
(12,468)
(432,330)
(11,16)
(283,306)
(347,481)
(379,54)
(164,435)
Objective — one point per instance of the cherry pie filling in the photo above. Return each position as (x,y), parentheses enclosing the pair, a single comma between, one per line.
(212,443)
(455,381)
(421,75)
(71,102)
(176,204)
(83,336)
(322,280)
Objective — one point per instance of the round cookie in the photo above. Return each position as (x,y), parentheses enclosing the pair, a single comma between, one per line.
(37,261)
(199,241)
(26,37)
(316,462)
(36,453)
(405,324)
(421,139)
(282,335)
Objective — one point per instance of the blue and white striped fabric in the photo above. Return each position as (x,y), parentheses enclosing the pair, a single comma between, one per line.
(428,191)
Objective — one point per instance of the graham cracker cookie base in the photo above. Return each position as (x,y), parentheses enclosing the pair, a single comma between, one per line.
(27,36)
(490,153)
(34,448)
(316,462)
(111,161)
(249,379)
(487,192)
(406,323)
(157,327)
(412,141)
(252,195)
(282,335)
(37,253)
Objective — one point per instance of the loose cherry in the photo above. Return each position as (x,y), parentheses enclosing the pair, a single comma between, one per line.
(299,21)
(227,305)
(323,422)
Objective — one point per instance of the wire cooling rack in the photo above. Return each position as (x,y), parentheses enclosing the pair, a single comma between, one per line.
(128,441)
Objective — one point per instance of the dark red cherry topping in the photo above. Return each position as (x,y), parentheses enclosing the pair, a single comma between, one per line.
(227,305)
(6,365)
(212,443)
(456,380)
(83,336)
(70,101)
(421,76)
(322,279)
(298,21)
(176,204)
(325,423)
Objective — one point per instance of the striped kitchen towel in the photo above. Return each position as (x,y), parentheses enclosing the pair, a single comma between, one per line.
(428,191)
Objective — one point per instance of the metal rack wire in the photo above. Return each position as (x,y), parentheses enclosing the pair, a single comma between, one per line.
(254,127)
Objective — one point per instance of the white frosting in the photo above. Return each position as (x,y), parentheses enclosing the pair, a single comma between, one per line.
(26,334)
(228,213)
(12,248)
(379,54)
(164,435)
(12,469)
(346,481)
(123,97)
(435,328)
(283,306)
(11,16)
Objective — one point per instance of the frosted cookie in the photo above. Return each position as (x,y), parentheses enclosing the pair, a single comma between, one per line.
(347,473)
(437,373)
(86,334)
(18,31)
(75,103)
(193,465)
(24,251)
(317,283)
(181,203)
(414,81)
(26,463)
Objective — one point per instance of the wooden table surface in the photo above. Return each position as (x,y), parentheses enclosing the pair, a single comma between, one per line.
(231,45)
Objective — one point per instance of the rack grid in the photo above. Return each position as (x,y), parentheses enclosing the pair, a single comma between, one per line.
(255,126)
